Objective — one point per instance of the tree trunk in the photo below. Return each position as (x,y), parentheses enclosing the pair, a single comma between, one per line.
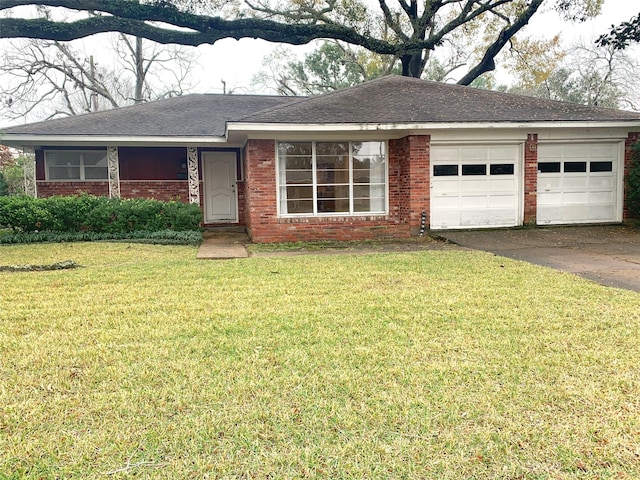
(412,64)
(139,59)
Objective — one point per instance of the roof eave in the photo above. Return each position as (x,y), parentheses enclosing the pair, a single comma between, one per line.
(389,127)
(34,140)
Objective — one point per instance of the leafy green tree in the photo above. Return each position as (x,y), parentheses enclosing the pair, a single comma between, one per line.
(332,66)
(407,29)
(623,35)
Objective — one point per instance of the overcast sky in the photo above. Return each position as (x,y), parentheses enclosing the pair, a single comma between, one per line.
(236,62)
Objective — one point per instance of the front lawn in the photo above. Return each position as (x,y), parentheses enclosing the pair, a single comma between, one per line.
(147,363)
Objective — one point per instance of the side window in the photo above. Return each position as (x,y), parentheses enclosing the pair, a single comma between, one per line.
(445,170)
(502,169)
(549,167)
(575,167)
(76,164)
(474,169)
(601,167)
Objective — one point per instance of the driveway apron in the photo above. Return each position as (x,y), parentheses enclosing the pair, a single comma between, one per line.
(608,254)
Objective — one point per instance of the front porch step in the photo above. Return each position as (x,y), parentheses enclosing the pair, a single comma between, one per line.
(224,229)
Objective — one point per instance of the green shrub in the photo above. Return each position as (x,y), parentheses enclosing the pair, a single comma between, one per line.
(165,237)
(633,183)
(4,188)
(88,213)
(24,214)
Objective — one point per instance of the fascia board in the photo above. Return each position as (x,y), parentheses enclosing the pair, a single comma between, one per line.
(422,127)
(18,139)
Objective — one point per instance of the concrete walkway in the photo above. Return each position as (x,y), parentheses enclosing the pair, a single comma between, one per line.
(222,245)
(607,254)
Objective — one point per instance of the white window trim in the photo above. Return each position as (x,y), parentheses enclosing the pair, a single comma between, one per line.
(82,173)
(314,184)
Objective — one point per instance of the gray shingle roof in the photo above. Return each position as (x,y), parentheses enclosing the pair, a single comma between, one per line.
(193,115)
(387,100)
(396,99)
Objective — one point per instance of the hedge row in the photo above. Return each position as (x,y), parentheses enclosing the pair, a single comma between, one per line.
(165,237)
(88,213)
(633,183)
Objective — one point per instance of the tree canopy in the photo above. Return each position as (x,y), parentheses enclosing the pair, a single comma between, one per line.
(623,35)
(407,29)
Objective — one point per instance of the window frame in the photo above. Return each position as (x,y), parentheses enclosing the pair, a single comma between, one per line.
(316,212)
(81,166)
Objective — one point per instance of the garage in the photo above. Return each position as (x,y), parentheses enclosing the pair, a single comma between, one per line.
(475,186)
(578,183)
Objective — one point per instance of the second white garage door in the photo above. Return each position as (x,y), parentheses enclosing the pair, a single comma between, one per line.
(475,186)
(578,183)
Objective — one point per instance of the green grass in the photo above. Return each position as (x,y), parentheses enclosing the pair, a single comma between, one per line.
(428,365)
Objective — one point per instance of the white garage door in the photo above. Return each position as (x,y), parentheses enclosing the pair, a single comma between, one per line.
(577,183)
(475,186)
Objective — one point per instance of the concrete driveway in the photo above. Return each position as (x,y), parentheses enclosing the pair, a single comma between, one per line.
(608,254)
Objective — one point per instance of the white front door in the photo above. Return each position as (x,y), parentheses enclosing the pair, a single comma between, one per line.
(475,186)
(220,196)
(578,183)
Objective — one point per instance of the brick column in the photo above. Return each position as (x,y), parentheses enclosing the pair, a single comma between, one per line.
(419,180)
(632,138)
(531,179)
(260,187)
(413,158)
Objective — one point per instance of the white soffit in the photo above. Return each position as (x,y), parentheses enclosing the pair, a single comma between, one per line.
(93,140)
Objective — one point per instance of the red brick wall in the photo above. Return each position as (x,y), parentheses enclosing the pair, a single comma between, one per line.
(531,179)
(416,189)
(49,189)
(408,197)
(631,140)
(164,190)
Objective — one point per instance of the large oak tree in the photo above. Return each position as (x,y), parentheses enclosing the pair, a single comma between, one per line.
(621,36)
(406,29)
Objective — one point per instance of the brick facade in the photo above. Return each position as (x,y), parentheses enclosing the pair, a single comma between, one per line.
(631,140)
(408,193)
(408,160)
(49,189)
(164,190)
(409,180)
(531,179)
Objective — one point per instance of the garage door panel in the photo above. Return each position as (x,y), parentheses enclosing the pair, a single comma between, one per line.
(501,201)
(602,212)
(590,195)
(446,203)
(484,196)
(579,213)
(608,182)
(575,182)
(503,186)
(448,154)
(602,198)
(548,199)
(471,154)
(549,182)
(499,154)
(603,150)
(576,197)
(449,187)
(474,186)
(498,218)
(473,202)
